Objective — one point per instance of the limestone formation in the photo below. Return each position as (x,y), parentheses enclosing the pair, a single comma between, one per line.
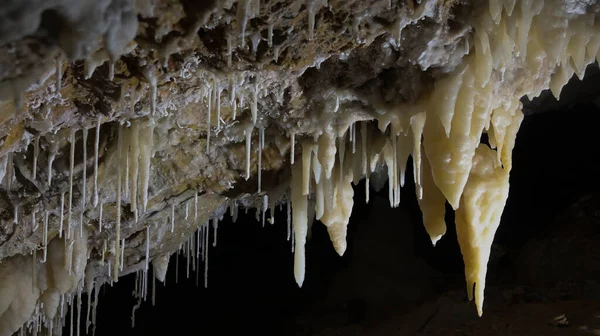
(129,127)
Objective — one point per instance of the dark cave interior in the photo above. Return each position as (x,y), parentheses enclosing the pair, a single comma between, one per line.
(390,270)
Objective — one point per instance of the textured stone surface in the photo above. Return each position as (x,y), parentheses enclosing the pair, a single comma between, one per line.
(183,47)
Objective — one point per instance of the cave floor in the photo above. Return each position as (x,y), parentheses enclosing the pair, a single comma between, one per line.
(573,317)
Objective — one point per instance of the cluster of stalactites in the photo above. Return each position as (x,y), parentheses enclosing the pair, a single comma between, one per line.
(36,294)
(443,161)
(442,133)
(135,148)
(331,164)
(57,276)
(195,250)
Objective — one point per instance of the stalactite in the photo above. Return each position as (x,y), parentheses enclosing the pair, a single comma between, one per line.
(147,144)
(292,146)
(83,182)
(100,213)
(243,10)
(45,235)
(248,134)
(215,224)
(147,249)
(218,109)
(172,218)
(36,154)
(208,111)
(254,106)
(9,176)
(115,277)
(187,210)
(134,165)
(58,73)
(62,212)
(71,166)
(51,158)
(265,205)
(261,140)
(96,155)
(207,230)
(122,255)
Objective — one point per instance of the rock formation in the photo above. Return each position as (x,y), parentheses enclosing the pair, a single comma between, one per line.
(129,127)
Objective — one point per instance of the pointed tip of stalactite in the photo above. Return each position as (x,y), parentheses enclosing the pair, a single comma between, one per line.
(454,203)
(470,290)
(299,279)
(479,298)
(340,249)
(435,239)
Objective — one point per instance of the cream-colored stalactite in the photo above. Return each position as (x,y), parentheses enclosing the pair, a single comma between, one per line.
(509,5)
(500,122)
(495,9)
(483,59)
(23,288)
(119,192)
(388,158)
(160,264)
(18,295)
(404,149)
(432,204)
(327,150)
(137,151)
(341,156)
(593,46)
(478,218)
(146,153)
(299,221)
(450,155)
(248,135)
(337,217)
(319,187)
(328,194)
(481,207)
(443,100)
(552,53)
(511,138)
(502,45)
(557,54)
(58,279)
(528,10)
(536,57)
(396,167)
(308,147)
(560,78)
(358,160)
(134,165)
(126,160)
(417,122)
(377,142)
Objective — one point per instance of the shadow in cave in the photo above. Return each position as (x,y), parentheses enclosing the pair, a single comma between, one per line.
(250,278)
